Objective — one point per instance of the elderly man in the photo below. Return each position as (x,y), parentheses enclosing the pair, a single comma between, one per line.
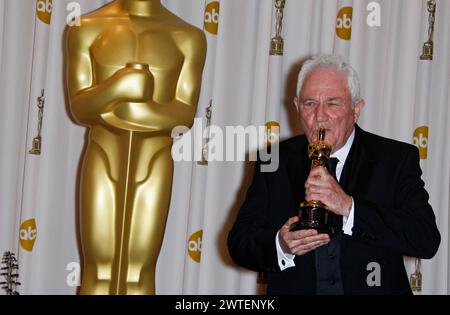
(376,197)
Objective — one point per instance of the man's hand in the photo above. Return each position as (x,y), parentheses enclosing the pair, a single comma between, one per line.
(321,186)
(300,242)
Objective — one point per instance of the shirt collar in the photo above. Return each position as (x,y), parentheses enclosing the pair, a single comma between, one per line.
(342,153)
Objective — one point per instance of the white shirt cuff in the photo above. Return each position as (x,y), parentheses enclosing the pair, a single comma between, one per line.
(285,260)
(347,222)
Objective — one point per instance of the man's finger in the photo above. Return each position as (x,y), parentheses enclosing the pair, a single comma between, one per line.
(314,189)
(318,244)
(318,171)
(315,238)
(319,181)
(303,233)
(302,250)
(321,171)
(319,197)
(310,246)
(289,222)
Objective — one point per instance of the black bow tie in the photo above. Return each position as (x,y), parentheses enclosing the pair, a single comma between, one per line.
(331,166)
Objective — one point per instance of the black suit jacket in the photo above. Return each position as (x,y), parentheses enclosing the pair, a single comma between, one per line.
(392,217)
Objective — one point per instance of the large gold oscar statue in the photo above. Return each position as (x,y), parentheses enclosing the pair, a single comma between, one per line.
(133,72)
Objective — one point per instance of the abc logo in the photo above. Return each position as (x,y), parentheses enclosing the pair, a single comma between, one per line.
(212,17)
(44,10)
(195,245)
(344,23)
(420,140)
(27,234)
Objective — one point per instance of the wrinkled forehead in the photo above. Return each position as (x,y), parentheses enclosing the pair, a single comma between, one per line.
(325,81)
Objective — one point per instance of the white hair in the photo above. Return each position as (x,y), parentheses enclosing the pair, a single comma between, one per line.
(336,62)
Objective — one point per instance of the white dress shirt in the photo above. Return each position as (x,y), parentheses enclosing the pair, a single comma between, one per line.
(286,260)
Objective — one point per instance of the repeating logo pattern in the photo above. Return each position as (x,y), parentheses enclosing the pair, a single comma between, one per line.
(212,11)
(28,234)
(420,140)
(44,10)
(195,246)
(344,23)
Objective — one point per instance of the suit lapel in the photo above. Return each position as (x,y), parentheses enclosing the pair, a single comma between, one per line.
(358,166)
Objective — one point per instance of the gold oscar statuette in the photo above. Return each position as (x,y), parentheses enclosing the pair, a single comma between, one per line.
(313,214)
(205,148)
(427,49)
(277,42)
(37,141)
(134,71)
(416,278)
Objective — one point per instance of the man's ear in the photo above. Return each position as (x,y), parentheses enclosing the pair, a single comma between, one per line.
(357,110)
(296,103)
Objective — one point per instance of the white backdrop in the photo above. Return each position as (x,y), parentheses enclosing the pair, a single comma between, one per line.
(247,87)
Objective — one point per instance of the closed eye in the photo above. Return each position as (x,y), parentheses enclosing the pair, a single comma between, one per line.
(309,103)
(335,102)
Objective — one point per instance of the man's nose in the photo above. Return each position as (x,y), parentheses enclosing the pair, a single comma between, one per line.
(321,114)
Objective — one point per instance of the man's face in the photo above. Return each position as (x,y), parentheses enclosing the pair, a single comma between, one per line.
(325,101)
